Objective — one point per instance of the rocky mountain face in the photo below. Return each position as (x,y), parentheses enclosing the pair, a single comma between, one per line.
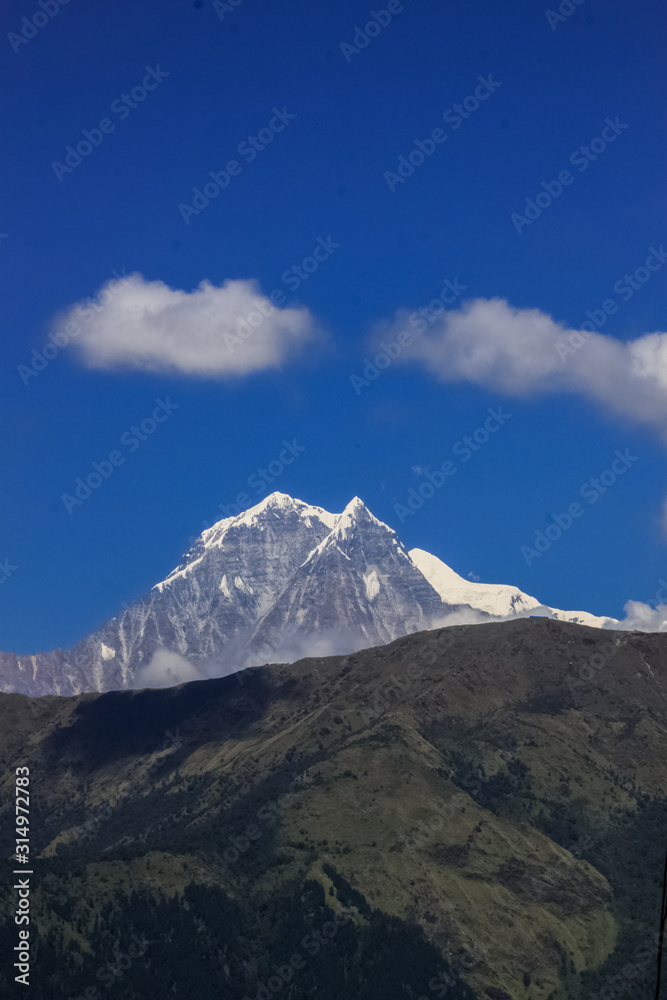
(475,813)
(282,580)
(357,588)
(264,583)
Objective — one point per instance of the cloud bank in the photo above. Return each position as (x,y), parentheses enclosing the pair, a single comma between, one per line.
(524,352)
(213,332)
(644,618)
(639,617)
(166,669)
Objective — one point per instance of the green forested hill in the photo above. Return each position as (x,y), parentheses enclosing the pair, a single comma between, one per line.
(476,812)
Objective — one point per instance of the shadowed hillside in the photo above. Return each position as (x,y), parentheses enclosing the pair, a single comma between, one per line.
(472,812)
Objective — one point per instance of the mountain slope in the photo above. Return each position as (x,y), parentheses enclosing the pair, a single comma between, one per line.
(277,579)
(482,807)
(494,599)
(281,580)
(224,584)
(357,588)
(491,598)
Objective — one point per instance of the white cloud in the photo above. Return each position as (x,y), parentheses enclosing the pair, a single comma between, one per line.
(468,616)
(306,645)
(644,618)
(524,352)
(231,330)
(638,617)
(166,669)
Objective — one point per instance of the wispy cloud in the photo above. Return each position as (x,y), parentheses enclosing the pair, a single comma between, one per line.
(166,669)
(524,352)
(213,332)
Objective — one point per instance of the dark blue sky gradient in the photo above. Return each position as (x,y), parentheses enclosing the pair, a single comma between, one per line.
(323,176)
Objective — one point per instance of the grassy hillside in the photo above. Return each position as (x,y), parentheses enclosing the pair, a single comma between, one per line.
(471,812)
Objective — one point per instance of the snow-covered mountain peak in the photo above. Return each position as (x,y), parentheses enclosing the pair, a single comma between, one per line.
(344,526)
(495,599)
(277,512)
(356,515)
(356,504)
(275,581)
(275,506)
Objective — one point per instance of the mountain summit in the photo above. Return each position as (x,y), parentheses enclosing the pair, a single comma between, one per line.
(282,580)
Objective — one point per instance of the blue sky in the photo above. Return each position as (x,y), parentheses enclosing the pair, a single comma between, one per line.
(220,76)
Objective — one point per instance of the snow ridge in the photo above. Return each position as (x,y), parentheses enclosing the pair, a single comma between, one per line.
(276,582)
